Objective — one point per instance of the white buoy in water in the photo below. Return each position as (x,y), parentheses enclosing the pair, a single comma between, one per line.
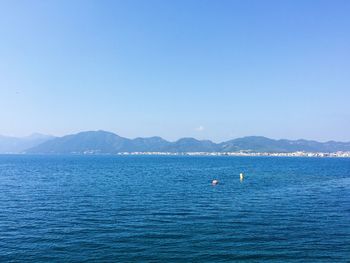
(215,182)
(241,177)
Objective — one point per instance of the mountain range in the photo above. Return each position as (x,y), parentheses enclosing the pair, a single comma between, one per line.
(18,145)
(103,142)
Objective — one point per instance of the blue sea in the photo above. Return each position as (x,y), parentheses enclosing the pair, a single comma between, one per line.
(164,209)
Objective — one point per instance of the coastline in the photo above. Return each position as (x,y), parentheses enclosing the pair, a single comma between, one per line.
(248,154)
(227,154)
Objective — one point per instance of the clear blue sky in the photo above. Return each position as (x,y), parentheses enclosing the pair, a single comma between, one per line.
(206,69)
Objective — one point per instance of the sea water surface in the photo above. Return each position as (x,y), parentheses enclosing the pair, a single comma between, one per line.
(164,209)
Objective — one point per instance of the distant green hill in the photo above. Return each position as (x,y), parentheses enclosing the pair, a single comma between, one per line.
(91,141)
(263,144)
(102,142)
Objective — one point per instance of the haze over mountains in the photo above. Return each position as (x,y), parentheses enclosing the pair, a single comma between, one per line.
(17,145)
(103,142)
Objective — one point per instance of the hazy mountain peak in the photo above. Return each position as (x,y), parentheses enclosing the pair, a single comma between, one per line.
(18,145)
(187,139)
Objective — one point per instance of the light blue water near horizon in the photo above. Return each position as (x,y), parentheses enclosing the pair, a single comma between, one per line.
(164,209)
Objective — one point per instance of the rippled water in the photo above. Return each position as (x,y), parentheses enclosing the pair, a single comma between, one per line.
(164,209)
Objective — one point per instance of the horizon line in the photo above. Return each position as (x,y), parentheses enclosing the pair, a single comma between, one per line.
(185,137)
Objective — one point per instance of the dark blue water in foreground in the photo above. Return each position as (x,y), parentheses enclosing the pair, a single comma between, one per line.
(164,209)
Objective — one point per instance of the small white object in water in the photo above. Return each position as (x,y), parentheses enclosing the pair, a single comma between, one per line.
(241,176)
(214,182)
